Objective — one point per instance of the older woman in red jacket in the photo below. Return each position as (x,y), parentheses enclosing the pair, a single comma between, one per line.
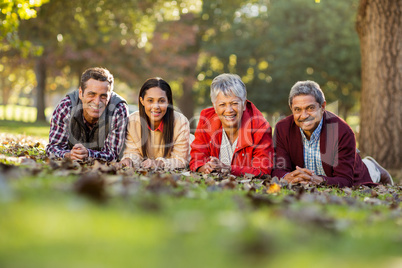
(233,134)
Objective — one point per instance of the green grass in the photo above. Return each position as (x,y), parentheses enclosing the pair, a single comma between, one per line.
(40,130)
(21,113)
(45,223)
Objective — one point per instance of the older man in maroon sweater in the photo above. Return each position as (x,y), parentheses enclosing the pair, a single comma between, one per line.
(313,145)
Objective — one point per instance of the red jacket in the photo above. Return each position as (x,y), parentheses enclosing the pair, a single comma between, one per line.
(342,164)
(254,151)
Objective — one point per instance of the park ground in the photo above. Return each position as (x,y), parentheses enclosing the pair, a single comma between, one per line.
(65,214)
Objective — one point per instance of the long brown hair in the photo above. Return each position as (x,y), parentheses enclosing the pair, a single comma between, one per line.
(168,118)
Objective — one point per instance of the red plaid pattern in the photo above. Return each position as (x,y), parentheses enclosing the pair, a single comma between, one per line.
(58,134)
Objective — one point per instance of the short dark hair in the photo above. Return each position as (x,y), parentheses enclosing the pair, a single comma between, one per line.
(97,73)
(306,88)
(168,118)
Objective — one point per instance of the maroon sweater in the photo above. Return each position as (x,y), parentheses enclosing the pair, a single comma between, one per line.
(342,164)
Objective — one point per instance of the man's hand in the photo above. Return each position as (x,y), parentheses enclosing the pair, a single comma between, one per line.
(79,152)
(303,176)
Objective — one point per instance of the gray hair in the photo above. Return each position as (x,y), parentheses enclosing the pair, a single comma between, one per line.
(307,88)
(229,85)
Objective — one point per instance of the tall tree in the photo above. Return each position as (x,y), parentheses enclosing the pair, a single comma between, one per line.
(81,33)
(176,48)
(314,41)
(272,44)
(379,25)
(11,13)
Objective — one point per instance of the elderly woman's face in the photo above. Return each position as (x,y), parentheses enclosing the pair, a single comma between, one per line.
(230,110)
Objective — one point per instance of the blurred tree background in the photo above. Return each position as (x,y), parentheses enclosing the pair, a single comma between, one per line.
(45,45)
(270,44)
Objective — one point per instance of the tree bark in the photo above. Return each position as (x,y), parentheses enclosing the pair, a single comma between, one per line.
(40,73)
(5,91)
(5,95)
(379,25)
(186,101)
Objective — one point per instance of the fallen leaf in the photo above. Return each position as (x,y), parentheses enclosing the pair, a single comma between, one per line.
(273,188)
(259,200)
(91,185)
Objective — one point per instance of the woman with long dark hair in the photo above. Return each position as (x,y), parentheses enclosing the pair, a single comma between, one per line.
(157,135)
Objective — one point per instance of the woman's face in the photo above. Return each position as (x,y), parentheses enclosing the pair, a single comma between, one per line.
(230,110)
(155,103)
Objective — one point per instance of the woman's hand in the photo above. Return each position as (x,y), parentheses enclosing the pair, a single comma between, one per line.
(214,164)
(147,163)
(159,164)
(205,168)
(218,164)
(126,162)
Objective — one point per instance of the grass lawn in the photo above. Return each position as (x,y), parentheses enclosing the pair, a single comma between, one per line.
(40,130)
(46,224)
(50,217)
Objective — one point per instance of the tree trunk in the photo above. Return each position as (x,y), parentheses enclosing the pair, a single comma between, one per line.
(40,73)
(186,101)
(380,30)
(5,95)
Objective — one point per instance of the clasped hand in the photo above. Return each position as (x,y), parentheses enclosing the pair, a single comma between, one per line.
(303,176)
(214,164)
(78,152)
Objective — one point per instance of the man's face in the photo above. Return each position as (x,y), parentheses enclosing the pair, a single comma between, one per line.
(94,99)
(230,110)
(307,113)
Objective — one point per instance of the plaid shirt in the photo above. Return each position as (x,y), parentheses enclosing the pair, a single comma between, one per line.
(59,135)
(311,151)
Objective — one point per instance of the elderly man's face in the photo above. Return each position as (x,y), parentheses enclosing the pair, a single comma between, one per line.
(307,113)
(230,110)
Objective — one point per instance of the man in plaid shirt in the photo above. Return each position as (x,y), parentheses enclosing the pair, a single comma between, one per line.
(89,122)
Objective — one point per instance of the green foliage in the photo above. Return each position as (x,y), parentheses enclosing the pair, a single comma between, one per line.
(192,225)
(270,44)
(11,14)
(273,44)
(90,214)
(38,130)
(80,34)
(315,42)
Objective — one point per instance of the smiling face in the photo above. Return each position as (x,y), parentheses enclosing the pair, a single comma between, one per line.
(307,113)
(94,99)
(155,103)
(230,111)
